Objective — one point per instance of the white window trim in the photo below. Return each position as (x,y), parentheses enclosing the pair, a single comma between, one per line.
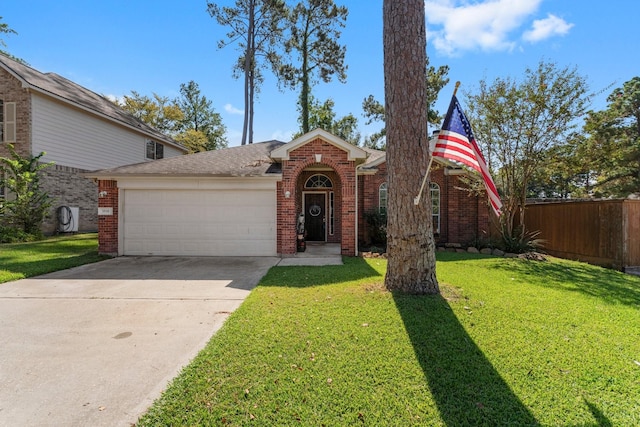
(386,197)
(326,180)
(435,188)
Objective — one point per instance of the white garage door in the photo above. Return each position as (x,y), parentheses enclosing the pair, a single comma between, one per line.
(199,222)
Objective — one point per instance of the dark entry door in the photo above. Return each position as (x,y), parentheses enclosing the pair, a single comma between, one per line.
(314,217)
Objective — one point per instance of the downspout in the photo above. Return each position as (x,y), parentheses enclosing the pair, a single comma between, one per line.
(357,213)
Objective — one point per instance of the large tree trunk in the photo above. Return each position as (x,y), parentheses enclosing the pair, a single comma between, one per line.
(410,245)
(248,71)
(305,89)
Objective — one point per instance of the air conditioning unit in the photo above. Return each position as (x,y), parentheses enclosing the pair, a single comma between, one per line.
(68,219)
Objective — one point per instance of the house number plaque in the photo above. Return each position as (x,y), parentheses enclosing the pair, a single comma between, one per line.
(105,211)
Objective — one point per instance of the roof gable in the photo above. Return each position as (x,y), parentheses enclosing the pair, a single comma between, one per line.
(68,92)
(353,152)
(250,160)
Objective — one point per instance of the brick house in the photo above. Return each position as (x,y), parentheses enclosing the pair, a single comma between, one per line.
(78,130)
(246,201)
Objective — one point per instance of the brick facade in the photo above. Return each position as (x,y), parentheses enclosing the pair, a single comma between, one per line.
(67,187)
(368,199)
(464,217)
(12,91)
(108,224)
(336,236)
(295,171)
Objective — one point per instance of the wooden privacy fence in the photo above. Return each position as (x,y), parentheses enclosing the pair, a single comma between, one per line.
(602,232)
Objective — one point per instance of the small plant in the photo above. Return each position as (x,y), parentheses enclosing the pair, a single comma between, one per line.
(28,205)
(521,241)
(483,241)
(377,225)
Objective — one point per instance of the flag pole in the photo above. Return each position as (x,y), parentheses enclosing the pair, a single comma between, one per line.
(416,200)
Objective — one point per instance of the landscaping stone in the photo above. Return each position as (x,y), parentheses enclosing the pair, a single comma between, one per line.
(510,255)
(486,251)
(533,256)
(460,251)
(498,252)
(473,250)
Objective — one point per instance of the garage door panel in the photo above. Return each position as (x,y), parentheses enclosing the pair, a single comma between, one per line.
(199,222)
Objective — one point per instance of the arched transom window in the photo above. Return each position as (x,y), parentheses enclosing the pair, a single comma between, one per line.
(318,181)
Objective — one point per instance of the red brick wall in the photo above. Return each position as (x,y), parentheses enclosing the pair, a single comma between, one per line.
(11,90)
(368,199)
(336,237)
(293,178)
(463,217)
(108,224)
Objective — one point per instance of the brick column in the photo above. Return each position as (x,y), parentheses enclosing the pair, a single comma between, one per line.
(108,224)
(286,219)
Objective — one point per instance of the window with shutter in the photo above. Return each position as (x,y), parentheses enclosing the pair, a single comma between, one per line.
(7,121)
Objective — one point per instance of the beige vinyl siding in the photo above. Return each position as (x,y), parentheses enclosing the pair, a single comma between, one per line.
(74,138)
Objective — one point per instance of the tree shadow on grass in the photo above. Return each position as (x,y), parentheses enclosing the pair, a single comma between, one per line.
(601,419)
(465,386)
(610,286)
(353,269)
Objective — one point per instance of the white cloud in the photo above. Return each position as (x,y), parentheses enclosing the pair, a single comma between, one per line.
(282,135)
(232,110)
(542,29)
(115,98)
(484,25)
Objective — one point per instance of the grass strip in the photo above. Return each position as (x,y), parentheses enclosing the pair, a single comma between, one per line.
(21,260)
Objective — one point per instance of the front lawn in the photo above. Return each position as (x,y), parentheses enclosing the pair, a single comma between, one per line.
(20,260)
(509,342)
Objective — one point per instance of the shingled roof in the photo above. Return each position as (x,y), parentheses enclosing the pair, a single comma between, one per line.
(242,161)
(65,90)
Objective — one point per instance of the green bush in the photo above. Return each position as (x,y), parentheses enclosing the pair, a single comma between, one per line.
(29,204)
(15,235)
(377,222)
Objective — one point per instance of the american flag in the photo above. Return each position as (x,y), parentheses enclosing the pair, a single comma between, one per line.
(456,142)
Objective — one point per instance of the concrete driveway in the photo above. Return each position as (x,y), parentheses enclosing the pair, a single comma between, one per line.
(97,344)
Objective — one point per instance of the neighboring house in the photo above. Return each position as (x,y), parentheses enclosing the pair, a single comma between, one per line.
(78,129)
(246,200)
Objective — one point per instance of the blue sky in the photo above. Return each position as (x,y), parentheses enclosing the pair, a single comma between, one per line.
(115,46)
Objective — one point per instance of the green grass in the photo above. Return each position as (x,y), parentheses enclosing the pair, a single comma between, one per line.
(509,342)
(21,260)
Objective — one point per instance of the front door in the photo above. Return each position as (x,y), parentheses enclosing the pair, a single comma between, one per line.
(314,217)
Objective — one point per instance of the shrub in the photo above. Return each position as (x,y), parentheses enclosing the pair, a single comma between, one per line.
(521,241)
(377,225)
(14,235)
(29,204)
